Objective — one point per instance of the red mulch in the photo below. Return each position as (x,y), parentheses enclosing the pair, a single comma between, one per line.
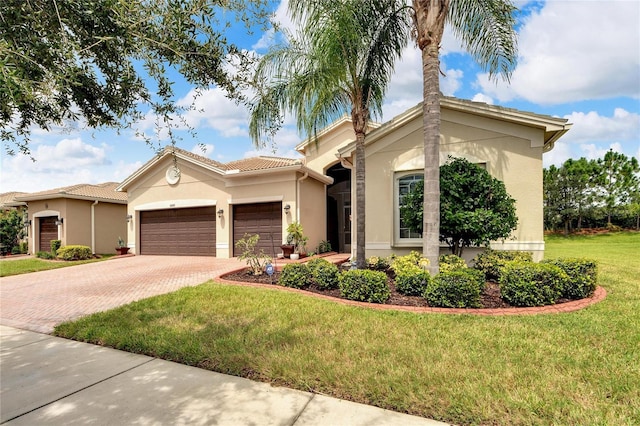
(490,297)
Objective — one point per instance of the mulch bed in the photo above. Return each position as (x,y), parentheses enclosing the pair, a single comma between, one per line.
(490,297)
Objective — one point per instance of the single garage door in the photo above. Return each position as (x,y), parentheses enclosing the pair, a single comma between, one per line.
(264,219)
(179,232)
(48,231)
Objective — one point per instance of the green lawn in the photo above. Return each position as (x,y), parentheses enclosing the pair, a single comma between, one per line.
(572,368)
(24,266)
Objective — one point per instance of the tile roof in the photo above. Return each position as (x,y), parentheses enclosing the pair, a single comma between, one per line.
(8,199)
(171,149)
(104,191)
(262,163)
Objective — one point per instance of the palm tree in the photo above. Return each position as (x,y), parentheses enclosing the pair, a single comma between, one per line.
(340,63)
(486,30)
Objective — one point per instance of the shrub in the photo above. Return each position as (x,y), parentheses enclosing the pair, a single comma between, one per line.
(295,275)
(378,263)
(55,245)
(531,284)
(44,255)
(491,261)
(324,247)
(364,285)
(458,288)
(582,276)
(15,250)
(451,262)
(256,260)
(411,274)
(74,252)
(24,247)
(324,273)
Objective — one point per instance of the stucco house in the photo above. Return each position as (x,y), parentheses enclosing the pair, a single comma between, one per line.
(182,203)
(90,215)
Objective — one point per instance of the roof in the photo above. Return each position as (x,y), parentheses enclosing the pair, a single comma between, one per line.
(233,169)
(105,192)
(8,199)
(553,127)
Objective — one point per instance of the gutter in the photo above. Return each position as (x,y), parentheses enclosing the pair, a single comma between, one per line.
(300,179)
(93,226)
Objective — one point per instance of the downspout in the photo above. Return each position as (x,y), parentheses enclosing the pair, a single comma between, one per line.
(300,179)
(93,226)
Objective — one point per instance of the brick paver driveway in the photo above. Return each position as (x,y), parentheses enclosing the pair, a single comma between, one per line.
(40,300)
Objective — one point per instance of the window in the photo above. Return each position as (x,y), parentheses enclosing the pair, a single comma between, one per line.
(405,184)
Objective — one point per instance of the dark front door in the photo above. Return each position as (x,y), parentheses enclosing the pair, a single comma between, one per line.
(48,231)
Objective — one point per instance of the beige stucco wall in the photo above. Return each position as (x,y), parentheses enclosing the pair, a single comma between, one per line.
(321,154)
(76,228)
(505,148)
(313,212)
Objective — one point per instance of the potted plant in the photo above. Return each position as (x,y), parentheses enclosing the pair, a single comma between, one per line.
(288,247)
(122,248)
(296,238)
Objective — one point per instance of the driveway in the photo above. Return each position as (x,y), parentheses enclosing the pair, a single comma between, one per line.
(40,300)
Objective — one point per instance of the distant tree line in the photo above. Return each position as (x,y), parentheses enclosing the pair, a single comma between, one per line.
(592,193)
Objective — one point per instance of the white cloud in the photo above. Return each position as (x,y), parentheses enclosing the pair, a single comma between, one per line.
(623,127)
(575,51)
(204,150)
(481,97)
(212,109)
(68,162)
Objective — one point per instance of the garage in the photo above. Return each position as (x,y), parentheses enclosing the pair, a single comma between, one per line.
(264,219)
(48,232)
(178,232)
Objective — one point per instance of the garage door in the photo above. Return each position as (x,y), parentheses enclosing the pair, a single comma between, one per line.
(264,219)
(179,232)
(48,231)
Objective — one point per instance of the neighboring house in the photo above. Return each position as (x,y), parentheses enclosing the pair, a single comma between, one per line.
(183,203)
(8,201)
(89,215)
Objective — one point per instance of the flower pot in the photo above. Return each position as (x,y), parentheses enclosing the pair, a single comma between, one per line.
(294,256)
(287,249)
(122,250)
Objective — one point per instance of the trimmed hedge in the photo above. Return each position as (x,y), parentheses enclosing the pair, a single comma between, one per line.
(582,275)
(459,288)
(295,275)
(451,262)
(45,255)
(364,286)
(411,274)
(325,274)
(532,284)
(491,261)
(74,252)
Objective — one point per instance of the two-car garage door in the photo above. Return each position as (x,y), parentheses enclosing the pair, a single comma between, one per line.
(186,232)
(192,231)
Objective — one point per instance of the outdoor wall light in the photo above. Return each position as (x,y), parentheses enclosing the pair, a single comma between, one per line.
(220,213)
(129,217)
(287,208)
(59,222)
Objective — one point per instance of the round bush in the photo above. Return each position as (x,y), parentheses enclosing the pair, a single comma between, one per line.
(491,261)
(582,275)
(325,274)
(74,252)
(412,283)
(295,275)
(450,262)
(364,285)
(531,284)
(459,288)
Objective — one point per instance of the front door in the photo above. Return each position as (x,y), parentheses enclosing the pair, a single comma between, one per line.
(48,230)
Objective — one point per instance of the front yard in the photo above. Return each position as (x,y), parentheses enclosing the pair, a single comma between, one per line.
(574,368)
(24,266)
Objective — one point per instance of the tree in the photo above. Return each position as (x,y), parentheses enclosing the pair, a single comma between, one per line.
(486,29)
(475,207)
(340,63)
(11,229)
(105,62)
(618,179)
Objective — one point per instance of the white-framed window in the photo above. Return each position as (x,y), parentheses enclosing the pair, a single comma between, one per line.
(405,182)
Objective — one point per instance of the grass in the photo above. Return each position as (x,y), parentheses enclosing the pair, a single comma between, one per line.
(25,266)
(573,368)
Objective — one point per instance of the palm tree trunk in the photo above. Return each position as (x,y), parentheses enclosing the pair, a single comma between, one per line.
(360,202)
(431,124)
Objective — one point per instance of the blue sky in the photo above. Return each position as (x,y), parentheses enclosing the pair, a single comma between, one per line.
(577,59)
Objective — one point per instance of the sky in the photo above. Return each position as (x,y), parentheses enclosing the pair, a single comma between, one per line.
(578,60)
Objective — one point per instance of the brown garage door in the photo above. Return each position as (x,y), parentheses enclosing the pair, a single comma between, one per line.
(264,219)
(179,232)
(48,231)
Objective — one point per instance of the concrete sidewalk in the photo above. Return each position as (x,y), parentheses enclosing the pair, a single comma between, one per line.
(49,380)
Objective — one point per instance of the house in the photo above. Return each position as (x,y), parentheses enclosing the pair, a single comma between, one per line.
(90,215)
(182,203)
